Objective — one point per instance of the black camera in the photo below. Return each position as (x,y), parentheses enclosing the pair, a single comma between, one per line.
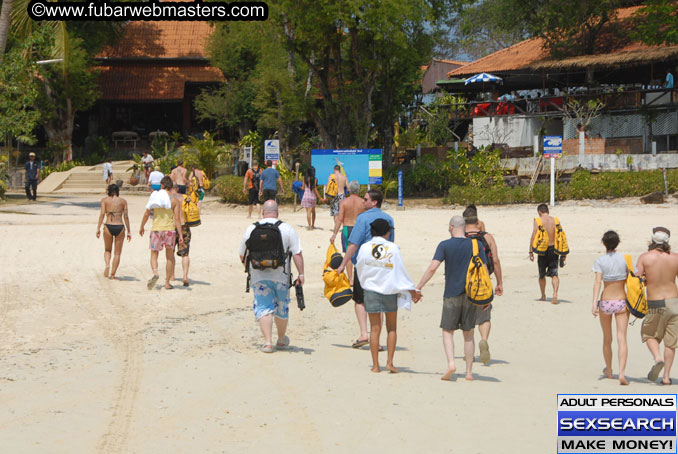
(299,291)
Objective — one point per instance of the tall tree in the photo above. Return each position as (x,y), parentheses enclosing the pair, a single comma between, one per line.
(5,16)
(657,22)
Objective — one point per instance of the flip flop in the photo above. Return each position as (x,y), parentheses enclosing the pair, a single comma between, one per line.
(267,348)
(666,384)
(171,287)
(360,343)
(653,375)
(185,283)
(151,282)
(484,352)
(284,344)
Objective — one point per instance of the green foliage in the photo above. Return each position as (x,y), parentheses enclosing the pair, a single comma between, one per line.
(656,23)
(164,153)
(3,189)
(61,167)
(205,153)
(582,186)
(389,185)
(229,189)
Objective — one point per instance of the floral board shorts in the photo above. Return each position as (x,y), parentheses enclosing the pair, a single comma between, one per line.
(334,204)
(163,238)
(183,249)
(271,298)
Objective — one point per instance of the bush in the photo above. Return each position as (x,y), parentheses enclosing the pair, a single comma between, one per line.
(582,186)
(3,188)
(229,189)
(61,167)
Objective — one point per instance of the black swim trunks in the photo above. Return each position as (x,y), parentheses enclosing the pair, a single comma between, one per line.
(254,196)
(548,263)
(358,294)
(181,189)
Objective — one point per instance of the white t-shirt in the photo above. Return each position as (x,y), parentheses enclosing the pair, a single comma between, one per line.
(155,177)
(290,243)
(108,169)
(612,266)
(148,159)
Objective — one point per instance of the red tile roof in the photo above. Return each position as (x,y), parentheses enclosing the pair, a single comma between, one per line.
(152,82)
(161,40)
(513,57)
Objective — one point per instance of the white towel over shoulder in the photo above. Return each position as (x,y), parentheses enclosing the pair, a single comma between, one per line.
(381,269)
(159,199)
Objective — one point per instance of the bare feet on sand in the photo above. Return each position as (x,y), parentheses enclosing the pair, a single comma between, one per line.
(623,381)
(391,368)
(376,369)
(543,298)
(113,278)
(608,373)
(448,375)
(469,377)
(554,300)
(106,270)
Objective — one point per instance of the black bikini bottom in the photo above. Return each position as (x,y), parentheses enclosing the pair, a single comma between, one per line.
(115,229)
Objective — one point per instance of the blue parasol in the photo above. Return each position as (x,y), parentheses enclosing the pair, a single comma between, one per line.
(483,77)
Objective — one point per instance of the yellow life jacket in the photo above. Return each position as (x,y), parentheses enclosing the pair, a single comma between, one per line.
(332,189)
(540,243)
(478,282)
(636,301)
(560,245)
(191,211)
(205,182)
(337,287)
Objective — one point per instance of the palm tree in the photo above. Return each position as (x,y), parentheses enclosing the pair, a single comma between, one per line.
(5,15)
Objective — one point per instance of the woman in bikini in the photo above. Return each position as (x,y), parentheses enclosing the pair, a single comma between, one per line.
(115,210)
(611,270)
(311,196)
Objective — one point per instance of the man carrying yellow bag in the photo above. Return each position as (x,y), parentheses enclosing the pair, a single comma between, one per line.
(337,288)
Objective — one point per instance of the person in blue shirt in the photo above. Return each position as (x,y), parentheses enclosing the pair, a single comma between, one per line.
(458,313)
(361,234)
(669,79)
(267,183)
(32,168)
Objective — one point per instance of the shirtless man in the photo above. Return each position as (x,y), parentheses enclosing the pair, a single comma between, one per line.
(178,176)
(659,267)
(476,229)
(335,201)
(548,263)
(182,248)
(349,209)
(198,174)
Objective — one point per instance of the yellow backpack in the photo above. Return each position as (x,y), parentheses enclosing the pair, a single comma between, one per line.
(560,245)
(541,239)
(636,301)
(332,189)
(337,287)
(478,283)
(191,212)
(205,182)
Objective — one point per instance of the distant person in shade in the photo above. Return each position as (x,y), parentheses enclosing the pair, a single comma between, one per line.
(32,177)
(669,79)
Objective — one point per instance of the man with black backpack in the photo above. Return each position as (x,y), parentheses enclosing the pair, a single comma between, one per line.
(475,229)
(267,250)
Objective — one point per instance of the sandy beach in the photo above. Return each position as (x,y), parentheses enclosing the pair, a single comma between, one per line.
(92,365)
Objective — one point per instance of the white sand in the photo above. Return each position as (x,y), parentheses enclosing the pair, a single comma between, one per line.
(88,365)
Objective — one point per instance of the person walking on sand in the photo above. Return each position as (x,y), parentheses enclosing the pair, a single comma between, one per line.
(267,184)
(178,176)
(147,162)
(32,168)
(458,312)
(250,186)
(154,179)
(610,269)
(548,262)
(108,172)
(386,284)
(271,286)
(114,209)
(311,196)
(475,229)
(335,190)
(182,248)
(361,234)
(166,224)
(659,267)
(349,209)
(199,176)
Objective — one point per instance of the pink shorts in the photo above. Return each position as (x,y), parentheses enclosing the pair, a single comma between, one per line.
(161,238)
(612,306)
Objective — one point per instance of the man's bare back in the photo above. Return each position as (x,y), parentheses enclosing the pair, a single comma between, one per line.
(350,208)
(550,227)
(342,181)
(178,176)
(660,270)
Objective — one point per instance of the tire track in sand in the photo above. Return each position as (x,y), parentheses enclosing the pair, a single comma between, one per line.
(117,326)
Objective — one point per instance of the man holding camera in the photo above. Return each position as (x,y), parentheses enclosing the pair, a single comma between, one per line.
(265,249)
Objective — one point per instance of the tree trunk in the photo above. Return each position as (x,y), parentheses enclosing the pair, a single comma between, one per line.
(5,19)
(59,127)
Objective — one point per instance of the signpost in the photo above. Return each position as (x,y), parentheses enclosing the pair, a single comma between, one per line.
(247,156)
(400,190)
(272,151)
(553,148)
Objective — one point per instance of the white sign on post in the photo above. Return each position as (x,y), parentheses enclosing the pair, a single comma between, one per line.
(272,150)
(247,156)
(553,148)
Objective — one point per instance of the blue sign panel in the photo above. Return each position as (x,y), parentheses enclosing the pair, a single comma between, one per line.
(362,164)
(553,146)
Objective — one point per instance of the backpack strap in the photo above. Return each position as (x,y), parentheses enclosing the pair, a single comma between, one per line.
(557,221)
(475,247)
(538,221)
(629,262)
